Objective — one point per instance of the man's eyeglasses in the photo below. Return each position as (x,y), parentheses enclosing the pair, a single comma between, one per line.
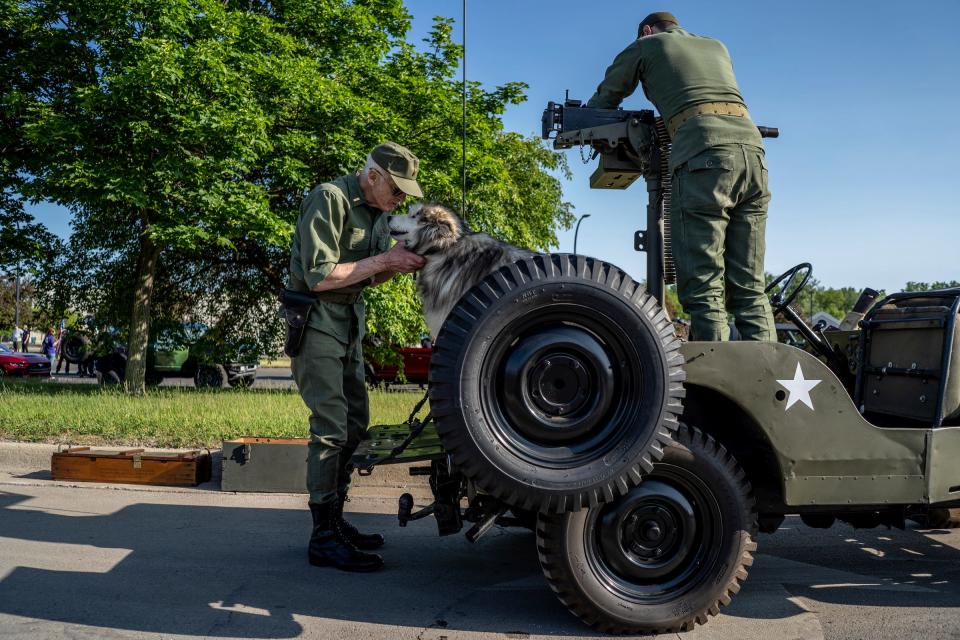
(397,191)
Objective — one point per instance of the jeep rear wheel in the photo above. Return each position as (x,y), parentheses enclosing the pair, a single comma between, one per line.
(210,377)
(665,556)
(75,348)
(555,383)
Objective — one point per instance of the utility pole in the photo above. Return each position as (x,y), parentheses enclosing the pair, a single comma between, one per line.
(16,311)
(577,230)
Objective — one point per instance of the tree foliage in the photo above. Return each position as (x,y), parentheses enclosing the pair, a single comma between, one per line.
(182,134)
(929,286)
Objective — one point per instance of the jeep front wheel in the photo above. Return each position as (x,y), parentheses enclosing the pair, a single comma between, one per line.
(664,557)
(555,383)
(210,377)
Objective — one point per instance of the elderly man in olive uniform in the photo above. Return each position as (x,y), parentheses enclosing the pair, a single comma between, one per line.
(342,245)
(720,194)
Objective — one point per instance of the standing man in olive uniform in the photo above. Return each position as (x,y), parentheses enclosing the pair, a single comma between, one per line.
(720,195)
(342,245)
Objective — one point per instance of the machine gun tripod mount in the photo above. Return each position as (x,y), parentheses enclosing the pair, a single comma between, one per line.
(630,144)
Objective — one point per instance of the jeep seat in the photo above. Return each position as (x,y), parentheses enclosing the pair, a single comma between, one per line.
(910,360)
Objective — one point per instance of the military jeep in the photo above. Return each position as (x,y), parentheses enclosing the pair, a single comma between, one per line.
(562,400)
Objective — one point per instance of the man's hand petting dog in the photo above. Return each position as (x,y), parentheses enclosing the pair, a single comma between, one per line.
(401,260)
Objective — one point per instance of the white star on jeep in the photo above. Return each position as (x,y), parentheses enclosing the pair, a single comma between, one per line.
(799,389)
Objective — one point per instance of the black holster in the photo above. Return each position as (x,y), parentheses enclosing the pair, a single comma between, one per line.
(296,312)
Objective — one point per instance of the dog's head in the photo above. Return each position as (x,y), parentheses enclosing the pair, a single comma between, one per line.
(427,228)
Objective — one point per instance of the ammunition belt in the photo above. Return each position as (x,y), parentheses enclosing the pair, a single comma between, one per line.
(707,108)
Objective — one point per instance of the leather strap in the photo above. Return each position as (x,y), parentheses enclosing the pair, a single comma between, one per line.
(707,108)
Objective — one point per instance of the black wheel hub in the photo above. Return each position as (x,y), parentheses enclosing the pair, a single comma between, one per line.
(650,533)
(558,384)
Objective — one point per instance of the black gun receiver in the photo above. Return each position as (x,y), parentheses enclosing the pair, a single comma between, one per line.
(623,139)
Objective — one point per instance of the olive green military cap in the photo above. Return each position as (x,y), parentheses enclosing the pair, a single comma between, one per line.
(401,165)
(654,18)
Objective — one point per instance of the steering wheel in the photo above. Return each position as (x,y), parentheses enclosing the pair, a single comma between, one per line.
(783,296)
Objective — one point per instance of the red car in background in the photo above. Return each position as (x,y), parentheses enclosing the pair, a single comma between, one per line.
(23,364)
(416,366)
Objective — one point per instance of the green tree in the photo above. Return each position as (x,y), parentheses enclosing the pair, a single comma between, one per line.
(929,286)
(183,134)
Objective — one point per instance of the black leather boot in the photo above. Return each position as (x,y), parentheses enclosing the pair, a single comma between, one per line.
(363,541)
(330,547)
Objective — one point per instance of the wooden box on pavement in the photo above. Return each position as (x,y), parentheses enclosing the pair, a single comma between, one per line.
(131,466)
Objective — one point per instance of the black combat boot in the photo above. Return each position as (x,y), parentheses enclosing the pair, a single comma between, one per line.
(363,541)
(330,547)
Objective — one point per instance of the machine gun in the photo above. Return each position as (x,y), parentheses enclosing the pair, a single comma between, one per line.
(630,144)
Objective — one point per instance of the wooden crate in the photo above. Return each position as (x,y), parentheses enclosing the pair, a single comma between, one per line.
(131,466)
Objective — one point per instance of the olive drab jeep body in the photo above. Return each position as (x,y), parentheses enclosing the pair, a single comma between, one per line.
(561,400)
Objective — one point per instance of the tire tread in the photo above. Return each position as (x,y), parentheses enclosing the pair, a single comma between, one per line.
(550,552)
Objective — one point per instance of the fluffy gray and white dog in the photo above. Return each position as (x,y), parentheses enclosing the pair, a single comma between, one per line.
(457,258)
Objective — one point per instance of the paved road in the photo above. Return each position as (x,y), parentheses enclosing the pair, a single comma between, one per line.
(82,562)
(267,378)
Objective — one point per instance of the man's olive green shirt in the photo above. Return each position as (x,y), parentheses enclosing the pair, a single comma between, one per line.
(336,225)
(679,70)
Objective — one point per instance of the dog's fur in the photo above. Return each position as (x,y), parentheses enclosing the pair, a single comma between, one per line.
(457,258)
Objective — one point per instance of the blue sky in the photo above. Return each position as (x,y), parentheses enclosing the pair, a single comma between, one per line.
(864,175)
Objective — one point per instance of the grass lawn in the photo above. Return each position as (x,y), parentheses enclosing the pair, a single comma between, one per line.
(42,411)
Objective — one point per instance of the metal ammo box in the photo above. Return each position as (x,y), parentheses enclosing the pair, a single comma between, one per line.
(268,465)
(911,357)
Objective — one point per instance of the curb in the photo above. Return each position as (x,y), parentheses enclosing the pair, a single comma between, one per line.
(34,458)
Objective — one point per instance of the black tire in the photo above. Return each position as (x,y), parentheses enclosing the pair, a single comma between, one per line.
(242,382)
(76,348)
(555,383)
(109,378)
(688,530)
(938,518)
(210,377)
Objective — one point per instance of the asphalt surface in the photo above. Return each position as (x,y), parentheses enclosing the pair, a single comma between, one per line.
(78,561)
(267,378)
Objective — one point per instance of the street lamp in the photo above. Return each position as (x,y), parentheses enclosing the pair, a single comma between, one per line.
(577,230)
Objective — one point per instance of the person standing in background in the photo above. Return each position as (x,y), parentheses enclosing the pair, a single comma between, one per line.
(17,335)
(25,339)
(61,348)
(49,347)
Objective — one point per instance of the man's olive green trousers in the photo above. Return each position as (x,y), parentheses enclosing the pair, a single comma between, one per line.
(718,220)
(329,374)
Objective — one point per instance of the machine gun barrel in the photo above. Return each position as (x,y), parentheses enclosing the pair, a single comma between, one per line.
(769,132)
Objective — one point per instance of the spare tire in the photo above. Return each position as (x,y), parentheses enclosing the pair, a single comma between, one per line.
(76,348)
(556,382)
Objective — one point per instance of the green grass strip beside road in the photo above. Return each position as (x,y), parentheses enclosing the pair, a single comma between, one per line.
(41,411)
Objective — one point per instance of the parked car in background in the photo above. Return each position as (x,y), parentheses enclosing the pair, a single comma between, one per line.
(22,364)
(188,351)
(416,366)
